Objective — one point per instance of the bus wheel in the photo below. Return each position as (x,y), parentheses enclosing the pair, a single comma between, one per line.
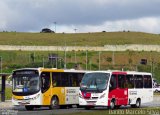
(54,103)
(137,105)
(29,107)
(112,104)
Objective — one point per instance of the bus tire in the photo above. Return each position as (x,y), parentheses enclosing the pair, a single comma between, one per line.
(54,104)
(112,104)
(29,107)
(137,105)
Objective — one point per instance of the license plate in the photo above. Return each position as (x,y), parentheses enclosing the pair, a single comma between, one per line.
(94,95)
(91,103)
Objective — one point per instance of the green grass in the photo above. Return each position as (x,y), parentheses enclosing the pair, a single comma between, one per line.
(20,59)
(8,94)
(81,39)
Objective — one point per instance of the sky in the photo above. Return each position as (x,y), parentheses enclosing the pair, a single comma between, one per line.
(80,16)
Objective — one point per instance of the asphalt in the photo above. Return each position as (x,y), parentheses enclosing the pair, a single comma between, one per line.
(6,108)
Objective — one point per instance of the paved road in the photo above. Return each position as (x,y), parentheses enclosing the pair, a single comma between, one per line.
(46,111)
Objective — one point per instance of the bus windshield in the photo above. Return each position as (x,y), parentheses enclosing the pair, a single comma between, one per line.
(26,83)
(94,82)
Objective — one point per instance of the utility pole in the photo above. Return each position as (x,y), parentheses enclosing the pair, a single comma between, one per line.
(99,60)
(113,58)
(57,58)
(43,61)
(75,55)
(65,56)
(86,57)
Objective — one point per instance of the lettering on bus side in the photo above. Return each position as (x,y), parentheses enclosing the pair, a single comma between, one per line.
(133,92)
(71,90)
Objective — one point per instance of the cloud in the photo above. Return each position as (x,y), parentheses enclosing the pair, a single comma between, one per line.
(33,15)
(148,24)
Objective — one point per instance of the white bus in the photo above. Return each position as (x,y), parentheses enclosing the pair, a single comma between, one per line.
(115,88)
(36,87)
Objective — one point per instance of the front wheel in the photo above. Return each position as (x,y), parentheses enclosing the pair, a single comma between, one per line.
(112,104)
(54,103)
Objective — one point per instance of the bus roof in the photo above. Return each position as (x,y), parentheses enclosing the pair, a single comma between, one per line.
(52,70)
(121,72)
(83,71)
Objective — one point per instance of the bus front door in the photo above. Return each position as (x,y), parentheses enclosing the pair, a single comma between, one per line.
(122,91)
(46,88)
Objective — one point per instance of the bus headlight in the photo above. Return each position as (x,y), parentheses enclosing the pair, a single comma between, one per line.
(34,98)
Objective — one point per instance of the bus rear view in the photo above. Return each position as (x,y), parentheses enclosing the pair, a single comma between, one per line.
(115,88)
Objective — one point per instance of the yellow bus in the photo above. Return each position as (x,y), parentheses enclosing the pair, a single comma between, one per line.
(38,87)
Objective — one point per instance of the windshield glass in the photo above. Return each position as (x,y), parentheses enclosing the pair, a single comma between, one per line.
(26,83)
(95,81)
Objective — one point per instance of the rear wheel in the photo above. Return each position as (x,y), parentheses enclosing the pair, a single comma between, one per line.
(54,103)
(137,105)
(29,107)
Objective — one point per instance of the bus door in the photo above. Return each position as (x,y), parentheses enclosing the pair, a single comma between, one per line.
(122,90)
(117,90)
(46,88)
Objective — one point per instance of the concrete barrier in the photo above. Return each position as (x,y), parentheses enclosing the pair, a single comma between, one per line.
(132,47)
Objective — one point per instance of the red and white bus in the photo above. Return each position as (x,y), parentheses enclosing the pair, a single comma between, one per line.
(115,88)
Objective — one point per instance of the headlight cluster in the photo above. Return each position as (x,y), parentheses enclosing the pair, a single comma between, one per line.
(35,97)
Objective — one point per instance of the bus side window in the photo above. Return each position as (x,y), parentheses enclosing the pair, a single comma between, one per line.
(80,76)
(45,81)
(56,79)
(65,80)
(138,81)
(113,82)
(74,79)
(71,79)
(129,81)
(147,81)
(121,81)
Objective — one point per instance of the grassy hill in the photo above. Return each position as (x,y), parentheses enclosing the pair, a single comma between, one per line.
(128,60)
(81,39)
